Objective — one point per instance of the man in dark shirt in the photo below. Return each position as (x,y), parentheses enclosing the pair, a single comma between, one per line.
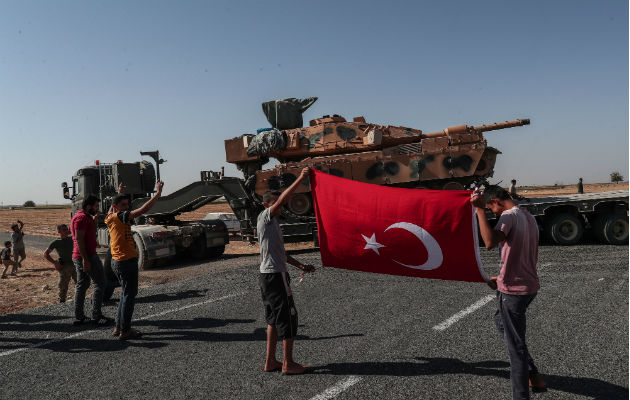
(63,265)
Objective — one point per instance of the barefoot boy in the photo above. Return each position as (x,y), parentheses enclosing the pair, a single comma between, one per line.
(280,311)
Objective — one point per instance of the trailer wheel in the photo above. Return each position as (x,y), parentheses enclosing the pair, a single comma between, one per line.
(616,229)
(598,228)
(216,252)
(197,249)
(565,229)
(143,258)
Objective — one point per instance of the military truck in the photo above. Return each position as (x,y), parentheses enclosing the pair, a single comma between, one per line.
(158,235)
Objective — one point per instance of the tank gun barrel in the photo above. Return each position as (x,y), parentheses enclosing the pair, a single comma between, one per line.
(501,125)
(479,128)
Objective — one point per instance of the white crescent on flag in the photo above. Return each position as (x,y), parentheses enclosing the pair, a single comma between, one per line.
(433,248)
(434,251)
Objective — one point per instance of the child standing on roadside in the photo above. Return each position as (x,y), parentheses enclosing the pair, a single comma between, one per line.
(5,256)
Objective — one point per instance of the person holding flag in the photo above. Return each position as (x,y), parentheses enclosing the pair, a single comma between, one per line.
(280,311)
(516,234)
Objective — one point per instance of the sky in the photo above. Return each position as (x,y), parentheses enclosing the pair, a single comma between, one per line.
(88,80)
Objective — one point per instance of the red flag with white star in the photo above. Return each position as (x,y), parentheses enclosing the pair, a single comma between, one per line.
(410,232)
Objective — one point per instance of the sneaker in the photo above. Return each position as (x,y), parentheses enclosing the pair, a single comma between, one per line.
(103,321)
(80,321)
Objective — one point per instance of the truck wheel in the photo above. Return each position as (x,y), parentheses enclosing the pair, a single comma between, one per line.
(598,228)
(216,252)
(565,229)
(616,229)
(143,258)
(197,249)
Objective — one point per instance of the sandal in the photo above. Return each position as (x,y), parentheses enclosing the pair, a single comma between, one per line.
(131,334)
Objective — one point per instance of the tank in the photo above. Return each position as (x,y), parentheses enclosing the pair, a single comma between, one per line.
(457,157)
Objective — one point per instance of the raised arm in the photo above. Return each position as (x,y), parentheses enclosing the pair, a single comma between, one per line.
(147,206)
(276,208)
(491,237)
(121,190)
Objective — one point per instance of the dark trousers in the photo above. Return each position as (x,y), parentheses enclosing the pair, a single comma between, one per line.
(109,289)
(127,273)
(511,323)
(97,275)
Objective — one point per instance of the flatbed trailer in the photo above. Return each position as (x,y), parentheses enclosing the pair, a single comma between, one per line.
(565,219)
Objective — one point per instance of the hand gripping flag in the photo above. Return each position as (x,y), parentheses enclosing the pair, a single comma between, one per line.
(410,232)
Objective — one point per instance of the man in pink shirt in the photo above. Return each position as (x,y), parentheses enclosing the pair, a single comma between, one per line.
(516,234)
(87,263)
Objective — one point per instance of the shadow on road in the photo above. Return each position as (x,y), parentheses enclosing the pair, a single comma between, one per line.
(191,329)
(590,387)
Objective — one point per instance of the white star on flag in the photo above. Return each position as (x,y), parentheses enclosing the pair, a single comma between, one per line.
(372,244)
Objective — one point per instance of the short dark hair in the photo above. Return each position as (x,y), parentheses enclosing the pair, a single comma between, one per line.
(268,194)
(8,242)
(13,226)
(60,226)
(495,192)
(90,200)
(513,181)
(119,198)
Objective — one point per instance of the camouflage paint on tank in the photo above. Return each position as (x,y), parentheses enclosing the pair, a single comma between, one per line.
(373,153)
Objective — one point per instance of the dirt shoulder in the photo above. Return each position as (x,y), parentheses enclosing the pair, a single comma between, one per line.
(543,191)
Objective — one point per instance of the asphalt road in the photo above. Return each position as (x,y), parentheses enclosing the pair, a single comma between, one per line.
(366,336)
(30,241)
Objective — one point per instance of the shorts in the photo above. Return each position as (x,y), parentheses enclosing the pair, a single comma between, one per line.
(19,253)
(280,309)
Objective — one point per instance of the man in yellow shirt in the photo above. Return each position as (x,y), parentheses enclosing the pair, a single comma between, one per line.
(125,257)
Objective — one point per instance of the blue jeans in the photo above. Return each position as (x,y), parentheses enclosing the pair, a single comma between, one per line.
(127,273)
(511,323)
(97,275)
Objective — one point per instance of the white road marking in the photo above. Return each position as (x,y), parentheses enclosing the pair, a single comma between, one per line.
(445,324)
(83,333)
(600,279)
(337,388)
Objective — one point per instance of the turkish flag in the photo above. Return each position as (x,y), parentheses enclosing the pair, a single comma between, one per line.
(410,232)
